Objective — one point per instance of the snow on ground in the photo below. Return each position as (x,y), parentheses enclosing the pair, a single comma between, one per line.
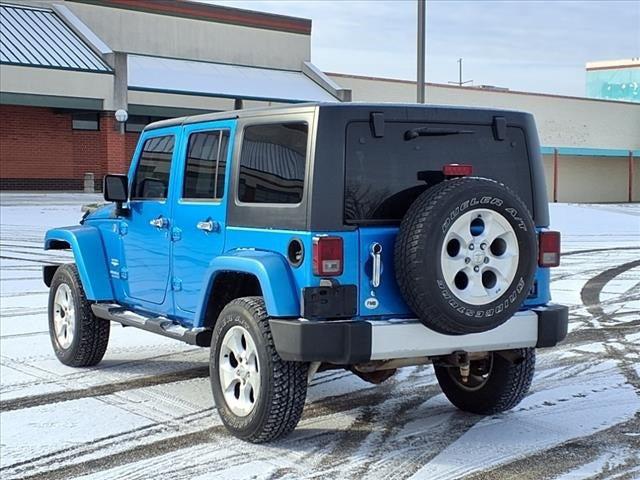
(146,410)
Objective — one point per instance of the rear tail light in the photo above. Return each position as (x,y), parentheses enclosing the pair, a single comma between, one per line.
(549,249)
(327,256)
(457,170)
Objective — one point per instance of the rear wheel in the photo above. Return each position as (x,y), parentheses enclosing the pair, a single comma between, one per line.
(494,384)
(466,255)
(259,396)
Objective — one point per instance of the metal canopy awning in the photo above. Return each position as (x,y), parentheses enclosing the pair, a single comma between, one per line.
(37,37)
(188,77)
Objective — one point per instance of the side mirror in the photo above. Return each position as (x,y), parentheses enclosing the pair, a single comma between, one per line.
(116,189)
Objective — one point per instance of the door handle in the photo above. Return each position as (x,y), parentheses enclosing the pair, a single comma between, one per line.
(208,226)
(376,257)
(159,222)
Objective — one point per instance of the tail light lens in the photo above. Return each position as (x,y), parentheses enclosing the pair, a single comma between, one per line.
(457,170)
(549,249)
(327,256)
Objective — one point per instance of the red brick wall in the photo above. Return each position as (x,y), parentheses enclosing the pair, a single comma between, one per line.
(35,143)
(131,141)
(40,150)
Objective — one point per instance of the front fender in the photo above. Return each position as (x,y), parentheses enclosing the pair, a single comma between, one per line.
(273,274)
(89,254)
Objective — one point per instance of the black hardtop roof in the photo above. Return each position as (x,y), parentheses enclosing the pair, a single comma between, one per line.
(411,109)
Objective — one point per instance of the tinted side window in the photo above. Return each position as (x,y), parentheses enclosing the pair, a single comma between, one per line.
(152,176)
(273,162)
(205,165)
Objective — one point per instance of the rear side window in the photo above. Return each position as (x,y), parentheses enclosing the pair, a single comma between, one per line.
(152,175)
(205,166)
(273,162)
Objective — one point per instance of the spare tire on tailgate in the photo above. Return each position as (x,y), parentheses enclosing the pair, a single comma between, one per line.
(466,255)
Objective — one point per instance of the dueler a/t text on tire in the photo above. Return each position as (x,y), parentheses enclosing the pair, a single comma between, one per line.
(258,395)
(466,255)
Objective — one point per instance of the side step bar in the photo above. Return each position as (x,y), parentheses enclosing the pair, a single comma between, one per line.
(160,325)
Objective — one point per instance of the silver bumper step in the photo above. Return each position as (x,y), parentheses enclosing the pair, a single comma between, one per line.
(160,325)
(398,338)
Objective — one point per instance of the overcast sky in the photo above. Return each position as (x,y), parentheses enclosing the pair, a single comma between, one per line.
(539,46)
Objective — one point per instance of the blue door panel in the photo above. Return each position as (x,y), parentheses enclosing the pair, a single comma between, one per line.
(146,249)
(194,248)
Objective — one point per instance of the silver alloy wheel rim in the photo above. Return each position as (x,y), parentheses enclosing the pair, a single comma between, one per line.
(239,371)
(64,316)
(479,257)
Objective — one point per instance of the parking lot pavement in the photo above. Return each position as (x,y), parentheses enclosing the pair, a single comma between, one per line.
(146,410)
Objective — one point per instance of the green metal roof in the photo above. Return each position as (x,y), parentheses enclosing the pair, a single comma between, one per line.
(37,37)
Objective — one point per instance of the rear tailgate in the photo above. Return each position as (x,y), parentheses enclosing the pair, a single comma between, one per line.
(383,175)
(385,299)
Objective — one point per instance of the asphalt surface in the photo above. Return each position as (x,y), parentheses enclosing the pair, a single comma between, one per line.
(146,410)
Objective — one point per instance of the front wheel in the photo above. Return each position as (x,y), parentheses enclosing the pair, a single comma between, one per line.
(495,384)
(259,396)
(78,337)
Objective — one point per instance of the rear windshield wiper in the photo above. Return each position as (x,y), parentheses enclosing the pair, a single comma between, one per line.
(433,132)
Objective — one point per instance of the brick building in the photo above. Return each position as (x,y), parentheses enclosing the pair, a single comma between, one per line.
(66,66)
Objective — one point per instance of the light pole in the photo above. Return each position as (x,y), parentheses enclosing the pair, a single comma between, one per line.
(422,10)
(460,82)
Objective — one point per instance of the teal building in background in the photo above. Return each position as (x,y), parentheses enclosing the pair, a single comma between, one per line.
(614,80)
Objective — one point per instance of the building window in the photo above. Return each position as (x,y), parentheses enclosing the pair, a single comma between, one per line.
(136,123)
(273,162)
(205,166)
(85,121)
(152,174)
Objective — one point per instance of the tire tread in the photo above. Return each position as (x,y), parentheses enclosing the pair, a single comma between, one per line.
(409,253)
(289,381)
(93,332)
(512,385)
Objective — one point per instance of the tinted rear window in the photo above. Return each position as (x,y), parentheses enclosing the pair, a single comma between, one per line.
(205,165)
(273,163)
(381,177)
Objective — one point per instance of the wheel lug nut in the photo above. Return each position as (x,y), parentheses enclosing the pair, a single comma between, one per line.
(483,246)
(467,260)
(471,247)
(476,268)
(486,259)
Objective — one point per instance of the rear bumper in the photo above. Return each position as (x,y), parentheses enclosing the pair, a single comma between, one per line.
(348,342)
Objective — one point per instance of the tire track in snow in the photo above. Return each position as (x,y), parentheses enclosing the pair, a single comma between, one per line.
(137,453)
(596,250)
(68,454)
(324,407)
(590,293)
(42,262)
(567,456)
(590,296)
(321,408)
(101,390)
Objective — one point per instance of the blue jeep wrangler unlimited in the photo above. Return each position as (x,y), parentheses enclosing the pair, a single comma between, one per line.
(317,236)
